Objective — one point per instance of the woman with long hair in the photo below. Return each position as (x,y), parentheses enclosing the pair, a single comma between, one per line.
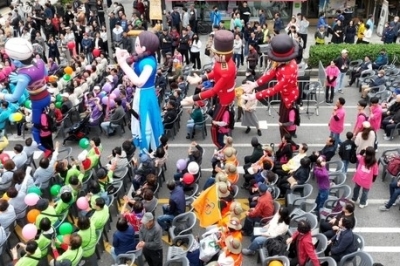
(365,138)
(367,171)
(279,225)
(195,52)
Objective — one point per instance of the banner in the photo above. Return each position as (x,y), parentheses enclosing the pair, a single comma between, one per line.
(207,207)
(155,10)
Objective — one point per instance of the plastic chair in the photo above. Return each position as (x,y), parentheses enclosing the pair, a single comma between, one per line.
(183,261)
(122,178)
(276,192)
(359,258)
(169,129)
(266,220)
(298,194)
(175,252)
(321,244)
(311,218)
(342,191)
(382,160)
(115,125)
(337,165)
(366,74)
(118,184)
(305,207)
(235,190)
(189,202)
(201,126)
(355,64)
(30,161)
(131,256)
(188,218)
(191,193)
(330,261)
(66,151)
(96,124)
(338,178)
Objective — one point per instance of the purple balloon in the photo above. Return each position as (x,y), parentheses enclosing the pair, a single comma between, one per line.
(107,88)
(101,95)
(104,100)
(181,164)
(116,92)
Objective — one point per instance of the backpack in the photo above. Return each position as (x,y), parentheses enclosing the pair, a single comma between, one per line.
(231,124)
(393,166)
(276,246)
(109,188)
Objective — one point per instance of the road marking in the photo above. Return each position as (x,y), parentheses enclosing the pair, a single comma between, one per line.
(263,124)
(248,145)
(376,229)
(241,170)
(381,249)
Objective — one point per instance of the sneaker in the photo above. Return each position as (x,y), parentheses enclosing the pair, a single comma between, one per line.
(354,201)
(394,204)
(383,208)
(387,138)
(248,252)
(259,133)
(363,206)
(340,91)
(247,130)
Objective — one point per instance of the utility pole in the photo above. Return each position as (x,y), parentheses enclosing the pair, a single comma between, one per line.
(109,32)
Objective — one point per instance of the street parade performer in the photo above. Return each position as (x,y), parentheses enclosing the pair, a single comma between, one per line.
(224,75)
(30,74)
(282,52)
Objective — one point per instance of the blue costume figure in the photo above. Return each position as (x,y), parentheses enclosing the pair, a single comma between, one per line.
(146,121)
(30,74)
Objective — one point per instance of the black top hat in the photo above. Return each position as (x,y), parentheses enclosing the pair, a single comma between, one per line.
(282,48)
(223,42)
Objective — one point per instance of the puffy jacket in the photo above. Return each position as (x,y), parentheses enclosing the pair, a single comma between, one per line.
(305,249)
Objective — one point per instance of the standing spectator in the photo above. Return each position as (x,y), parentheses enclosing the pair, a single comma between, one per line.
(365,138)
(389,35)
(165,43)
(278,23)
(375,114)
(261,17)
(176,19)
(350,33)
(174,35)
(249,116)
(322,21)
(176,206)
(237,49)
(195,52)
(367,35)
(245,12)
(302,28)
(332,72)
(78,30)
(360,31)
(215,16)
(150,240)
(347,151)
(320,35)
(337,32)
(342,63)
(396,27)
(252,58)
(366,173)
(322,176)
(336,123)
(185,18)
(361,117)
(193,18)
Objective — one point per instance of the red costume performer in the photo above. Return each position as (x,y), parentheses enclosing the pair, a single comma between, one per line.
(224,76)
(283,51)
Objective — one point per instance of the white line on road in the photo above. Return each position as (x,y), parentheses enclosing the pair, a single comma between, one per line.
(248,145)
(264,124)
(381,249)
(376,229)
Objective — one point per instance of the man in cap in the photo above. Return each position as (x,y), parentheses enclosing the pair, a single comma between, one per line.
(150,241)
(223,74)
(175,206)
(343,63)
(282,51)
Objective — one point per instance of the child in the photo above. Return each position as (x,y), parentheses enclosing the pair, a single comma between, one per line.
(375,116)
(177,59)
(322,176)
(320,35)
(331,72)
(294,121)
(347,151)
(367,171)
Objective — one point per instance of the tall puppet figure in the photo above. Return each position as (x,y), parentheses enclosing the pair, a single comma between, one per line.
(224,75)
(30,74)
(146,122)
(282,51)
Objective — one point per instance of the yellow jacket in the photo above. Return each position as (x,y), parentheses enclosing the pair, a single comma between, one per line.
(238,93)
(360,31)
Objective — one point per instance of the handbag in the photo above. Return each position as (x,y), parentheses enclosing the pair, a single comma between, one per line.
(208,247)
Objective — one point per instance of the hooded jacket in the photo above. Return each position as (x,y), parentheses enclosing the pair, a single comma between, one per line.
(122,163)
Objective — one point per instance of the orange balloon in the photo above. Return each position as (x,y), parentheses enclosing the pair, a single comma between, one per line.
(68,70)
(32,215)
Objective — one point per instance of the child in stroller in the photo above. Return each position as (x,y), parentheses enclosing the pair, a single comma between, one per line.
(78,130)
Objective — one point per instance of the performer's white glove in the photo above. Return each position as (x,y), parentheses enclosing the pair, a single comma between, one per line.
(188,101)
(249,97)
(122,55)
(194,80)
(249,86)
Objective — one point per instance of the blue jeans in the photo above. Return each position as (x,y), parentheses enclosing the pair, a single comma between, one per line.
(189,126)
(236,59)
(258,242)
(105,126)
(345,166)
(113,255)
(249,225)
(336,137)
(339,84)
(364,194)
(165,220)
(246,48)
(209,182)
(394,193)
(321,198)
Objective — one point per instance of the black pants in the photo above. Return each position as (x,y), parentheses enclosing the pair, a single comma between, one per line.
(330,89)
(304,38)
(359,41)
(239,113)
(353,75)
(47,142)
(195,59)
(185,54)
(153,257)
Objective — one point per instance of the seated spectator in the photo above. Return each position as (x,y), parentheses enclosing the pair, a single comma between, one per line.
(74,252)
(7,215)
(256,154)
(116,115)
(32,254)
(176,206)
(263,209)
(394,190)
(389,124)
(142,169)
(299,177)
(293,164)
(56,113)
(95,109)
(381,60)
(356,73)
(376,81)
(231,255)
(88,235)
(233,229)
(66,171)
(168,63)
(46,210)
(74,186)
(20,156)
(45,171)
(65,202)
(18,180)
(46,234)
(301,242)
(16,199)
(330,227)
(285,149)
(123,239)
(118,157)
(133,217)
(195,153)
(100,215)
(129,148)
(151,183)
(196,116)
(95,148)
(7,174)
(66,103)
(279,225)
(30,147)
(328,151)
(159,157)
(266,162)
(170,114)
(389,102)
(342,243)
(95,192)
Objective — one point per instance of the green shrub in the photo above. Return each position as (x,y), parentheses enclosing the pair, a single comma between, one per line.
(329,52)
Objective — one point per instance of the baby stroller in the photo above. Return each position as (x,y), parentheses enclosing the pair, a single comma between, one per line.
(78,131)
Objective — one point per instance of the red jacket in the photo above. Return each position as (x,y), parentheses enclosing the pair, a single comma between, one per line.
(264,207)
(286,76)
(305,248)
(224,76)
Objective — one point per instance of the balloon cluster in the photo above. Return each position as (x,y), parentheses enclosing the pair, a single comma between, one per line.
(59,100)
(109,100)
(67,73)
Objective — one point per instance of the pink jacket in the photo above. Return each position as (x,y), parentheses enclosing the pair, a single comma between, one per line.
(5,72)
(332,71)
(364,176)
(375,117)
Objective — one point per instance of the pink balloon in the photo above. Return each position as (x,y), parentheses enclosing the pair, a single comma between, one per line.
(104,100)
(82,203)
(107,87)
(29,231)
(112,104)
(113,96)
(116,92)
(31,199)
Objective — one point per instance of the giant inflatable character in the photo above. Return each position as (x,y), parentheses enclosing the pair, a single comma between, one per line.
(282,51)
(146,122)
(223,74)
(30,74)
